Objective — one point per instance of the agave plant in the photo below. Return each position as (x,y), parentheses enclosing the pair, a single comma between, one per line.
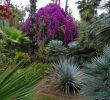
(14,35)
(99,69)
(68,77)
(56,48)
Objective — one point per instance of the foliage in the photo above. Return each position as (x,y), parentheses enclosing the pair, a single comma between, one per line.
(42,53)
(14,85)
(106,5)
(53,23)
(73,45)
(67,76)
(4,59)
(14,35)
(40,69)
(87,8)
(17,15)
(99,86)
(98,31)
(94,36)
(21,56)
(56,48)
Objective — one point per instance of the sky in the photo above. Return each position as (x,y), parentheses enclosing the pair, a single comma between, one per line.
(42,3)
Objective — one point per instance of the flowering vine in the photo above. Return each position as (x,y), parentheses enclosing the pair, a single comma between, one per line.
(58,24)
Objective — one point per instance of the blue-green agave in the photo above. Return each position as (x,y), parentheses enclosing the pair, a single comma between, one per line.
(98,88)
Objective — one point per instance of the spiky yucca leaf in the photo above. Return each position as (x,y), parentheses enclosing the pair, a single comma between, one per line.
(68,76)
(99,69)
(20,85)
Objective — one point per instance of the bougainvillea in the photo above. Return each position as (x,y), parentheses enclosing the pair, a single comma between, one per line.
(53,22)
(5,10)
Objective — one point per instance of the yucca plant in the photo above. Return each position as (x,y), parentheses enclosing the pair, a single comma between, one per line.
(67,75)
(14,35)
(99,69)
(18,86)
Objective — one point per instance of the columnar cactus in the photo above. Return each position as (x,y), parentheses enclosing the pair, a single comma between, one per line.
(32,28)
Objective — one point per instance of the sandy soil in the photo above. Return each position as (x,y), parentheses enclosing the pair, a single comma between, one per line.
(47,91)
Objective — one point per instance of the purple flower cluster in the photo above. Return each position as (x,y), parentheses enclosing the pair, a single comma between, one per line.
(56,22)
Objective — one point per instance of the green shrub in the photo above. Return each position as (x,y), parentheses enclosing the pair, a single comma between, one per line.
(42,53)
(21,56)
(39,69)
(4,58)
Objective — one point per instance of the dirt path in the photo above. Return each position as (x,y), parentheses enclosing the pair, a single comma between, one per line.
(47,92)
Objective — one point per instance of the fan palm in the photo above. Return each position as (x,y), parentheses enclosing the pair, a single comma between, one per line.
(106,6)
(87,8)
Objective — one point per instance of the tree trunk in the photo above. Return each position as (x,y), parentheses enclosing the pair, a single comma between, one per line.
(66,6)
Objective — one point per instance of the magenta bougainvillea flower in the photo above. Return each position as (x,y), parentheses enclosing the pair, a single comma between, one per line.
(55,23)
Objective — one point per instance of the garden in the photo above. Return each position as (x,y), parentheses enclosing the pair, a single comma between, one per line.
(50,55)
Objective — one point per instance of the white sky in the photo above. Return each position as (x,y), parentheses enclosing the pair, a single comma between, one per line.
(42,3)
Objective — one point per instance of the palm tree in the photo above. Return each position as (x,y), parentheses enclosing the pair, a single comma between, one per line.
(56,1)
(106,6)
(88,8)
(66,6)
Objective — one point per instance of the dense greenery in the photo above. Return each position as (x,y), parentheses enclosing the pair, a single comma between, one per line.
(52,53)
(22,83)
(99,69)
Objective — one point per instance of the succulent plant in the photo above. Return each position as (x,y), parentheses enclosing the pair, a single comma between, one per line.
(99,68)
(56,48)
(68,77)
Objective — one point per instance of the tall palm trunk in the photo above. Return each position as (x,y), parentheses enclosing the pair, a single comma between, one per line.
(32,46)
(56,1)
(66,6)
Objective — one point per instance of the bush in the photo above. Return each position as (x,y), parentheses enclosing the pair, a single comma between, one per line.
(52,22)
(4,58)
(42,53)
(21,56)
